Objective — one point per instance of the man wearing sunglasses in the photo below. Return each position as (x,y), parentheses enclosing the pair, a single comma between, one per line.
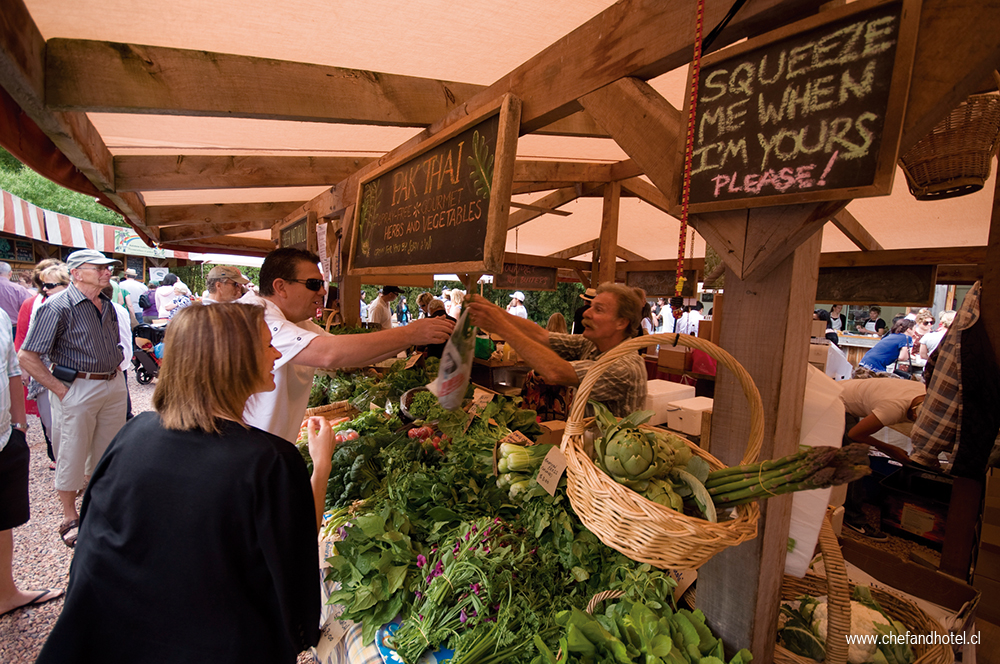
(224,284)
(291,290)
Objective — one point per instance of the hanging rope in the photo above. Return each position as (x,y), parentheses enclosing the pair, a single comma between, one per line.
(688,151)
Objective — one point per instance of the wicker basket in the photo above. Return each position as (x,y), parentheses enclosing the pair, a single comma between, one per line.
(333,410)
(838,591)
(955,158)
(626,521)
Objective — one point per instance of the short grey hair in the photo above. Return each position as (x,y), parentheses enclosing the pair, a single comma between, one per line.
(5,268)
(629,304)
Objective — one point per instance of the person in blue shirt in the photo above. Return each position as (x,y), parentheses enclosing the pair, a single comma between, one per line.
(894,347)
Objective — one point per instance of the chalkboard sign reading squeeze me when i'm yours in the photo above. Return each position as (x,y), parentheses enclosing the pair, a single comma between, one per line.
(444,205)
(810,112)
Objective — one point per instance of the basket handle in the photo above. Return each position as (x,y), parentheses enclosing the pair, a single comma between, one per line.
(838,595)
(576,415)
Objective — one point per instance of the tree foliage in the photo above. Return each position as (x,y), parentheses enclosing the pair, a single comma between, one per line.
(25,183)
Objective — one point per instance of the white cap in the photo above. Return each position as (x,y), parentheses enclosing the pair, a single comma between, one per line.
(518,295)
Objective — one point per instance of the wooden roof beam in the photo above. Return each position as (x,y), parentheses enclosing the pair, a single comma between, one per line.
(211,230)
(264,215)
(560,171)
(22,75)
(626,255)
(855,232)
(554,200)
(111,77)
(630,38)
(578,250)
(182,172)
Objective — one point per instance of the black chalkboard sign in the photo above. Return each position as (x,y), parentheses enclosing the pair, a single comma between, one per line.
(898,285)
(662,283)
(299,234)
(444,205)
(526,277)
(810,112)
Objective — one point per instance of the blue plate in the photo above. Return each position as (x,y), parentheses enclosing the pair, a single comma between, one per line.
(389,655)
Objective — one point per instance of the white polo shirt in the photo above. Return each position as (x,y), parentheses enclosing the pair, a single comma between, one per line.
(281,410)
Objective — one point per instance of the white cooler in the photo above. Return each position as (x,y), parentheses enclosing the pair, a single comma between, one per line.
(659,393)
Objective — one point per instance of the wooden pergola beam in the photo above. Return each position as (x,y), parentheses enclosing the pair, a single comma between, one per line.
(855,232)
(648,193)
(111,77)
(22,75)
(552,201)
(940,256)
(185,172)
(545,261)
(578,250)
(265,215)
(627,255)
(204,231)
(645,125)
(560,171)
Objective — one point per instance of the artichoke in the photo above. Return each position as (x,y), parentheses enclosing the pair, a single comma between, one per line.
(625,452)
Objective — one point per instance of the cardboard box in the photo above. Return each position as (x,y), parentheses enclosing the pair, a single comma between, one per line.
(818,329)
(674,359)
(916,504)
(818,354)
(991,522)
(552,432)
(659,395)
(988,562)
(686,415)
(957,598)
(989,602)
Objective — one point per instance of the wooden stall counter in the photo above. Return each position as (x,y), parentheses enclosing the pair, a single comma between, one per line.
(856,345)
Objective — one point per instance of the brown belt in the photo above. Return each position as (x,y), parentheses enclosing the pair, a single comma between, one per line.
(97,376)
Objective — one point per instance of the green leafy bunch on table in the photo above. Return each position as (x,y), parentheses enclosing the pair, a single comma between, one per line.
(429,534)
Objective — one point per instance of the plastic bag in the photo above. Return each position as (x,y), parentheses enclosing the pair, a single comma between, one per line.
(456,365)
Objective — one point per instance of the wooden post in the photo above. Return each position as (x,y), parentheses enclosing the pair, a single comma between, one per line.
(350,300)
(739,589)
(609,232)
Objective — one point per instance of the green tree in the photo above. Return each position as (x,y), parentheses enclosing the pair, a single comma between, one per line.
(25,183)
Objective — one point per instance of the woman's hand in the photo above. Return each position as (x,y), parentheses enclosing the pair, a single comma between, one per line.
(320,444)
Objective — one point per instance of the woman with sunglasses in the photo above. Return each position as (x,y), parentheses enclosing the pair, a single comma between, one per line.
(50,277)
(198,531)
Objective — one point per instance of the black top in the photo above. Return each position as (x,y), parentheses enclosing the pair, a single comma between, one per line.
(192,548)
(578,319)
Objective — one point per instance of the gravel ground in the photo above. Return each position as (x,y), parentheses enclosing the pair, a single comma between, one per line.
(41,560)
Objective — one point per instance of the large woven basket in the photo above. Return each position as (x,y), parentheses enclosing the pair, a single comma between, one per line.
(626,521)
(955,157)
(838,591)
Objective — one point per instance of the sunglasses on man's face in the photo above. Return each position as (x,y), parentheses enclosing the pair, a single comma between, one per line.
(311,284)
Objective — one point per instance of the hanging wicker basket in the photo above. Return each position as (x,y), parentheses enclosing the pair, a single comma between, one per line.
(626,521)
(838,591)
(955,158)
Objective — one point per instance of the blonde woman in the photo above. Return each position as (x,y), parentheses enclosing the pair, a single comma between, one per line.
(557,323)
(455,308)
(196,526)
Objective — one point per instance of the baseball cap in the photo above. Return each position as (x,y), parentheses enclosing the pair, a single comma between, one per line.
(387,290)
(589,295)
(226,272)
(518,295)
(85,256)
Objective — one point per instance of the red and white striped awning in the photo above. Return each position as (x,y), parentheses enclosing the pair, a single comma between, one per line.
(28,220)
(21,217)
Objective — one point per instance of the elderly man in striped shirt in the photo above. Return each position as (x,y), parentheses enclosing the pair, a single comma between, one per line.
(77,330)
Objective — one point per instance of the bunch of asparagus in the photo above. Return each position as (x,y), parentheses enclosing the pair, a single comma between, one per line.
(812,468)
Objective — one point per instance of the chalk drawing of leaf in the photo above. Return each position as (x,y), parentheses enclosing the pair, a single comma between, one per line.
(482,165)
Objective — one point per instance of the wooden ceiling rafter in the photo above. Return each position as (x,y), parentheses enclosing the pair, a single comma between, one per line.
(222,213)
(578,250)
(110,77)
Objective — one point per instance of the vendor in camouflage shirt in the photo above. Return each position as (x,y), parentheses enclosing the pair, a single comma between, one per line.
(564,359)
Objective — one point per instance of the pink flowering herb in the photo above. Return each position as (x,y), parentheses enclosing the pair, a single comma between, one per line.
(421,561)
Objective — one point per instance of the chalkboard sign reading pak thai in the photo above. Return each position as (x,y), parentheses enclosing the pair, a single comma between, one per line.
(526,277)
(445,205)
(810,112)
